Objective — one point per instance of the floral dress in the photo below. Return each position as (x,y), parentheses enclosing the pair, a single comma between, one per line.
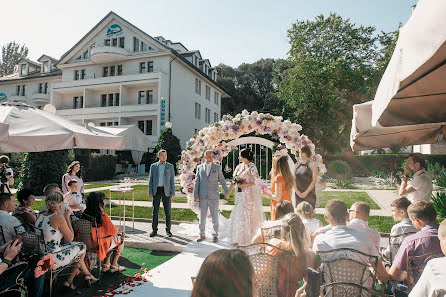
(23,209)
(63,253)
(247,216)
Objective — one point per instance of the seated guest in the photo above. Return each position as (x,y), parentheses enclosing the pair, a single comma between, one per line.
(359,215)
(73,198)
(11,226)
(55,227)
(425,241)
(401,230)
(95,210)
(340,236)
(293,239)
(26,199)
(48,189)
(282,208)
(432,281)
(225,273)
(306,212)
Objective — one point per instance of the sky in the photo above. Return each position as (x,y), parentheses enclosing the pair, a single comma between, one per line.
(231,32)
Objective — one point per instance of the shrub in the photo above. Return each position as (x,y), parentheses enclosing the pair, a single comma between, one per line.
(339,169)
(102,167)
(171,144)
(435,170)
(439,202)
(40,169)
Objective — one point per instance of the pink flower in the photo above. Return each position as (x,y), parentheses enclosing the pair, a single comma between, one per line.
(46,263)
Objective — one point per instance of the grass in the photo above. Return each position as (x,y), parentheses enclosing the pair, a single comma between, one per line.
(380,223)
(140,195)
(145,259)
(92,186)
(348,197)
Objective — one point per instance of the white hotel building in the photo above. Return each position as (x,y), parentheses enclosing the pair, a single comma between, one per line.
(119,75)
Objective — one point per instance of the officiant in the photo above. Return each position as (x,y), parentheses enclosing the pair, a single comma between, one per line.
(161,187)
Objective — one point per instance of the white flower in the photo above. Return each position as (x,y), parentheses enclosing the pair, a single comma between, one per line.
(254,114)
(245,113)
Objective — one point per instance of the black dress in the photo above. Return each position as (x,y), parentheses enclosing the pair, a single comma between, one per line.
(304,177)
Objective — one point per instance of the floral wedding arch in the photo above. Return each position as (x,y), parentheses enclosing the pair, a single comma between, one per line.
(216,138)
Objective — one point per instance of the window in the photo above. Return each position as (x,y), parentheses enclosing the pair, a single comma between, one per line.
(109,123)
(141,97)
(135,44)
(112,70)
(142,67)
(40,88)
(149,97)
(107,42)
(102,124)
(141,126)
(104,100)
(105,72)
(75,102)
(150,66)
(116,123)
(207,116)
(85,55)
(215,117)
(119,69)
(116,99)
(198,86)
(83,74)
(110,99)
(216,98)
(121,42)
(76,74)
(115,42)
(23,90)
(82,102)
(18,90)
(143,47)
(197,110)
(208,93)
(46,66)
(149,127)
(46,88)
(23,69)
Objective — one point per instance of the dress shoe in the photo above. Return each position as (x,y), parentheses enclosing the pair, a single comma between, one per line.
(153,234)
(201,238)
(169,233)
(215,240)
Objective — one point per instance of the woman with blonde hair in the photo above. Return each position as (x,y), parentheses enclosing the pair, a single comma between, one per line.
(293,238)
(282,181)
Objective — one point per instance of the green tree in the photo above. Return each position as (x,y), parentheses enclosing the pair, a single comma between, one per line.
(12,53)
(40,169)
(171,144)
(333,63)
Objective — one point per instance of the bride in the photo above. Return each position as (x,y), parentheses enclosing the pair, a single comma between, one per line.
(247,215)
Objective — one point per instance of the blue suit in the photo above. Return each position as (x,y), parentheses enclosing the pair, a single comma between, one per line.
(161,193)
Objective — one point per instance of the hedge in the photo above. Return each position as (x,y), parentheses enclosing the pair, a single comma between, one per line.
(364,165)
(101,167)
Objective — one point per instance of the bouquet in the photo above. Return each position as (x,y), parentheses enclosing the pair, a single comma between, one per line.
(262,186)
(44,265)
(239,180)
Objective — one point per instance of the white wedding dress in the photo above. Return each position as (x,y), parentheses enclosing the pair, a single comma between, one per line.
(247,216)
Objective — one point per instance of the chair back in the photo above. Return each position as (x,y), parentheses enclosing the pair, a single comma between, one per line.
(33,242)
(18,285)
(84,232)
(2,236)
(347,272)
(22,217)
(415,266)
(267,268)
(395,242)
(270,232)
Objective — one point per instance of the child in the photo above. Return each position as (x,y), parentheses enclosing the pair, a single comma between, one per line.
(306,212)
(73,198)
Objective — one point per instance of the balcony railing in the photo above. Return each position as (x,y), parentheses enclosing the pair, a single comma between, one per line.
(108,54)
(40,98)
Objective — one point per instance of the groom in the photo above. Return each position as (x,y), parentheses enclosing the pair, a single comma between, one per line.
(206,191)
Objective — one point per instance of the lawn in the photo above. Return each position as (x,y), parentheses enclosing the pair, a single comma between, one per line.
(140,195)
(348,197)
(144,259)
(92,186)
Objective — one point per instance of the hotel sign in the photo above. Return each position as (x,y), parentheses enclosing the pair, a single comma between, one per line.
(3,96)
(114,29)
(163,114)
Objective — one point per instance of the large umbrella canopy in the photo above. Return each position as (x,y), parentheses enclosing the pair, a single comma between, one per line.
(4,132)
(34,130)
(364,137)
(134,139)
(412,89)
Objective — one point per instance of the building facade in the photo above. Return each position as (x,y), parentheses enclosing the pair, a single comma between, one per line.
(119,75)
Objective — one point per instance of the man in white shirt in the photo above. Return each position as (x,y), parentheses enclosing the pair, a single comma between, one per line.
(340,236)
(420,187)
(359,215)
(11,226)
(432,282)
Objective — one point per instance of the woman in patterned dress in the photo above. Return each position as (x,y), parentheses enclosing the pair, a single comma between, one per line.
(247,215)
(55,227)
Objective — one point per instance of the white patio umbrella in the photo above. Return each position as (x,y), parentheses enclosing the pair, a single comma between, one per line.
(4,132)
(34,130)
(364,137)
(413,89)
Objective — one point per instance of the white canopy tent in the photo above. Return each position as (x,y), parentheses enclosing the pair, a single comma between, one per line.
(4,134)
(412,89)
(34,130)
(364,137)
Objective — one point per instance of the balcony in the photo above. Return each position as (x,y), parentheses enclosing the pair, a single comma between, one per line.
(18,98)
(110,111)
(108,54)
(41,98)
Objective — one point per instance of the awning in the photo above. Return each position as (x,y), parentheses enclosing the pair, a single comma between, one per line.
(134,139)
(413,89)
(4,132)
(364,137)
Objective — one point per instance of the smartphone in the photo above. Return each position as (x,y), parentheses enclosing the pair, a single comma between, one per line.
(314,282)
(18,238)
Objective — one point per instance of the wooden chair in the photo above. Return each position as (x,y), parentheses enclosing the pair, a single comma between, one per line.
(2,236)
(270,232)
(18,285)
(395,242)
(267,268)
(415,266)
(348,273)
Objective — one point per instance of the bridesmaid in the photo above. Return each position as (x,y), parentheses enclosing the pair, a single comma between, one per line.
(306,178)
(282,182)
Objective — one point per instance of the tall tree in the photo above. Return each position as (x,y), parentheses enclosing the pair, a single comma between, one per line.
(169,142)
(12,53)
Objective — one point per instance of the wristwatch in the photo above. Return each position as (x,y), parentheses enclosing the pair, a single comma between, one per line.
(6,261)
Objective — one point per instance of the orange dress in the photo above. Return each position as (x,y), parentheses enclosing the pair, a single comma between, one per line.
(286,195)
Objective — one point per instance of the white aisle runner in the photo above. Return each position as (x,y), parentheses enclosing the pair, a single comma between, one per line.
(173,278)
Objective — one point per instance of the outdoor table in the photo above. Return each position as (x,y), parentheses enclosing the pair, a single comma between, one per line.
(123,191)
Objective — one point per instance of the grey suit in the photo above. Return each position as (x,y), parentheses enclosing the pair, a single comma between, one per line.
(206,189)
